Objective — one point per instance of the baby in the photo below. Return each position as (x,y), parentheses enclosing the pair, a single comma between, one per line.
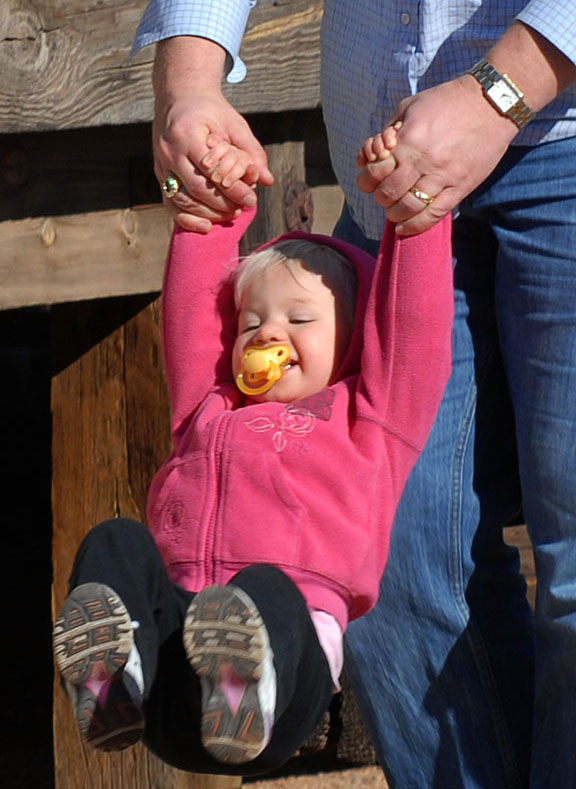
(303,386)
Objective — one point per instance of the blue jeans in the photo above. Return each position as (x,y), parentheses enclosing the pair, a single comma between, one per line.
(460,684)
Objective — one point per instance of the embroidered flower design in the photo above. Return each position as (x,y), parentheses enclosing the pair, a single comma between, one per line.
(297,422)
(288,424)
(260,424)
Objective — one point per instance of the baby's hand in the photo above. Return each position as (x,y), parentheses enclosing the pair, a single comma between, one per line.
(226,164)
(375,158)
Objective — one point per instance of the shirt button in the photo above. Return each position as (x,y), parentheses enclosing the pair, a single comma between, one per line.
(405,18)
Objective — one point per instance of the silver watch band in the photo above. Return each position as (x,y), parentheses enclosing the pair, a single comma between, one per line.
(487,76)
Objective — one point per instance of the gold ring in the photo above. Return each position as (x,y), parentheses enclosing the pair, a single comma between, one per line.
(170,186)
(422,196)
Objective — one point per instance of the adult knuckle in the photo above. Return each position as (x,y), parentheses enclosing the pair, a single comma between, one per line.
(437,212)
(386,194)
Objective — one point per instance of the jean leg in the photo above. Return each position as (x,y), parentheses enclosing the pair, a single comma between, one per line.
(536,288)
(435,665)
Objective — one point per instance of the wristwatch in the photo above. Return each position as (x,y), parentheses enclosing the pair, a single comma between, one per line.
(502,93)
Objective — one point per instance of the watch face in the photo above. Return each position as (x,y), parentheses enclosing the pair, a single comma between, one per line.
(502,95)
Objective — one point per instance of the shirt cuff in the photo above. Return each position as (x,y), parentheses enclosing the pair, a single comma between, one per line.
(221,21)
(555,21)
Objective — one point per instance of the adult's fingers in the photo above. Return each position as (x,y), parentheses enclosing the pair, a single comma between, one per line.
(193,215)
(181,134)
(416,199)
(426,217)
(372,174)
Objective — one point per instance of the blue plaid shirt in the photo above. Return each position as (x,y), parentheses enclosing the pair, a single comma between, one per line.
(377,52)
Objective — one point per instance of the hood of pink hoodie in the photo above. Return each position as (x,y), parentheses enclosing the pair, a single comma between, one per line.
(364,265)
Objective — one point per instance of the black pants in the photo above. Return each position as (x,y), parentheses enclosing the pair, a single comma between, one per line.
(123,555)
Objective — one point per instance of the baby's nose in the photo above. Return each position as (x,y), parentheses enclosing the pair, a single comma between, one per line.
(269,332)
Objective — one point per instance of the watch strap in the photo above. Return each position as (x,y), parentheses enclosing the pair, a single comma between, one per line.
(485,73)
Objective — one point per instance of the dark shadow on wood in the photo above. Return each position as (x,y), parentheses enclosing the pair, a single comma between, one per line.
(25,433)
(77,327)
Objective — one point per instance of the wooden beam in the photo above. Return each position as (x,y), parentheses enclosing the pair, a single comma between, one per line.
(68,65)
(47,260)
(287,163)
(281,50)
(50,260)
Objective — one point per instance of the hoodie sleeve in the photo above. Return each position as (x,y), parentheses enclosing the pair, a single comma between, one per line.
(198,315)
(406,358)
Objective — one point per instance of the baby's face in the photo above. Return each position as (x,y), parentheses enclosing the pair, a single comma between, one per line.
(297,310)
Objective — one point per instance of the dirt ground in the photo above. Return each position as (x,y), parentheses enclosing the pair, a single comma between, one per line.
(353,778)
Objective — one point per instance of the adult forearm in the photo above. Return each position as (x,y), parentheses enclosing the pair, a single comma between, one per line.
(540,69)
(185,61)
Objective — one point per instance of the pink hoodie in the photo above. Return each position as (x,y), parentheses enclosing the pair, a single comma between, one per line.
(311,487)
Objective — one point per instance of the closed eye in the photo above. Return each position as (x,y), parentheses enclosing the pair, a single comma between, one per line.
(252,327)
(301,320)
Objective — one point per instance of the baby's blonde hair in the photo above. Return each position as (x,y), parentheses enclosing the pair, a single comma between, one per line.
(337,272)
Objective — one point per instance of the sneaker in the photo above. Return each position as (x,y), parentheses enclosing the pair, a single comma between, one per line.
(228,648)
(94,649)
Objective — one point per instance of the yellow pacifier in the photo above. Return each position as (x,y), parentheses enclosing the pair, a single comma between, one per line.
(261,368)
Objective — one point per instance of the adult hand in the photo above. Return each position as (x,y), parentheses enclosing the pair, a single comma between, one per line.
(190,114)
(450,140)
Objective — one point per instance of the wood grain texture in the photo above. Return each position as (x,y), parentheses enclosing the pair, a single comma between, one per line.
(50,260)
(287,163)
(68,64)
(46,260)
(281,50)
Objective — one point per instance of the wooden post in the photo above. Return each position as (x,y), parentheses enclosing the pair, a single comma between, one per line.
(110,434)
(287,204)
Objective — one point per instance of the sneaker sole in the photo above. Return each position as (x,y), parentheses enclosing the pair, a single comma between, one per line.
(93,637)
(223,630)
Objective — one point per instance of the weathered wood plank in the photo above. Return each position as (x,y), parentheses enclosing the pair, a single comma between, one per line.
(82,256)
(328,202)
(110,433)
(68,65)
(287,164)
(282,53)
(50,260)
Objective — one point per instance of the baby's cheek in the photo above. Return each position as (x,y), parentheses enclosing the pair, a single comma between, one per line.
(236,360)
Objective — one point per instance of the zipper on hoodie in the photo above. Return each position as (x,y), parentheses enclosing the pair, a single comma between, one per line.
(216,454)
